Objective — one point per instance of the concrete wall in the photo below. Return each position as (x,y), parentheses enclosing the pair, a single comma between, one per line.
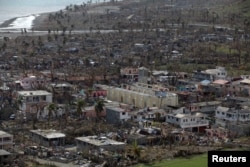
(85,147)
(112,116)
(6,142)
(140,99)
(47,142)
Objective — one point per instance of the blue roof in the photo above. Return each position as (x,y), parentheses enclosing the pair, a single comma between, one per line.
(82,92)
(205,82)
(161,93)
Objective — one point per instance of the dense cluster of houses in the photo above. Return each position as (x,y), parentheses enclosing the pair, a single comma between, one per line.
(209,103)
(205,103)
(208,99)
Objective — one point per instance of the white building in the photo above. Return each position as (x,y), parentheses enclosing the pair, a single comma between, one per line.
(152,113)
(34,101)
(48,137)
(211,74)
(143,75)
(237,121)
(244,86)
(61,87)
(194,122)
(218,72)
(90,143)
(204,107)
(33,82)
(141,96)
(245,76)
(129,73)
(6,140)
(116,115)
(226,115)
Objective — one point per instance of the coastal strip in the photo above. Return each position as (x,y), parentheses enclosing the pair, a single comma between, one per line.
(8,23)
(25,22)
(40,22)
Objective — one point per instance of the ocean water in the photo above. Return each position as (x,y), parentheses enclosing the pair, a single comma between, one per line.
(26,10)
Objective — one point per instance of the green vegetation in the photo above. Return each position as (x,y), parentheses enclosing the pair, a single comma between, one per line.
(245,7)
(36,164)
(189,68)
(226,50)
(234,13)
(242,7)
(196,161)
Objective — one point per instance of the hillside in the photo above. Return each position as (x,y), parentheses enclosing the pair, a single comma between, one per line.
(237,12)
(241,7)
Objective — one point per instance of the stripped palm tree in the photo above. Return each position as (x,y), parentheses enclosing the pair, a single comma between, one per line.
(99,107)
(20,116)
(19,102)
(51,108)
(80,105)
(66,108)
(19,112)
(136,150)
(35,109)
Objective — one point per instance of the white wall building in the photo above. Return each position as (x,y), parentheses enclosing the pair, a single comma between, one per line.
(141,97)
(34,101)
(188,121)
(116,115)
(245,76)
(218,72)
(33,82)
(129,73)
(61,87)
(89,143)
(6,140)
(143,75)
(226,115)
(204,107)
(148,114)
(211,74)
(48,137)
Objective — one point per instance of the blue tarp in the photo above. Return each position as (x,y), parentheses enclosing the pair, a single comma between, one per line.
(205,82)
(82,92)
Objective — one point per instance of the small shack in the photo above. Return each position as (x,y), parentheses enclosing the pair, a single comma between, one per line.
(48,138)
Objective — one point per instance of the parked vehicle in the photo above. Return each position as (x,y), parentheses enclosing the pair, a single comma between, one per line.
(12,117)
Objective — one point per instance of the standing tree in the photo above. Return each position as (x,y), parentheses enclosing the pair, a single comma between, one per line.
(99,106)
(89,94)
(67,110)
(80,105)
(39,108)
(51,108)
(19,104)
(136,150)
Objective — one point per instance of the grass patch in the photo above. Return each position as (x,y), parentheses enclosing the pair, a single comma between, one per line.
(195,161)
(190,67)
(241,7)
(244,7)
(226,50)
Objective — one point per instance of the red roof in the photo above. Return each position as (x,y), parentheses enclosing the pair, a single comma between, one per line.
(221,82)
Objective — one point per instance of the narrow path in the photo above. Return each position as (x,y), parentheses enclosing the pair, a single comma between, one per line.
(43,161)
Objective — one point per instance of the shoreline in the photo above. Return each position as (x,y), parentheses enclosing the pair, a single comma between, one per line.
(7,23)
(38,23)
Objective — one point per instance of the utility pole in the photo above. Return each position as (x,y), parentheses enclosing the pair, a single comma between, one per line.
(238,113)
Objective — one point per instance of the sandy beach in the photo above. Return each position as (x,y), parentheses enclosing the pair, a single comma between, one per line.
(7,23)
(6,29)
(41,24)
